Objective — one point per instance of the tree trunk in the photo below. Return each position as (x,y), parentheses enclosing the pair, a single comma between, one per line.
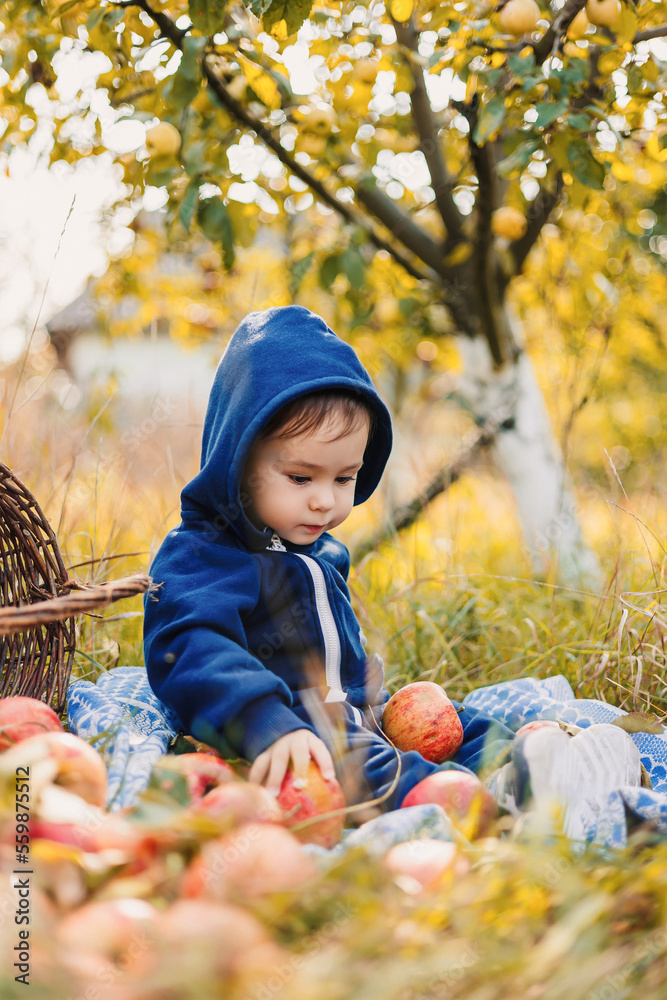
(527,452)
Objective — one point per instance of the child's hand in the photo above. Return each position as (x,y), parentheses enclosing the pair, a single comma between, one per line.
(272,765)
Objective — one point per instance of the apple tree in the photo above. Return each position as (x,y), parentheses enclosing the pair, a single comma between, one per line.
(413,146)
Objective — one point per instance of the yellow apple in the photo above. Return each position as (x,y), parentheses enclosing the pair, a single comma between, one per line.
(509,222)
(320,120)
(314,145)
(163,140)
(519,17)
(603,13)
(579,26)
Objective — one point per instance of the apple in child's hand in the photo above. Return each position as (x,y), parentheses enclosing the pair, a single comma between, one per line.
(23,717)
(467,802)
(310,797)
(421,717)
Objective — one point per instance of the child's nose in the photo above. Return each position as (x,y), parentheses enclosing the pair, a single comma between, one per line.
(322,498)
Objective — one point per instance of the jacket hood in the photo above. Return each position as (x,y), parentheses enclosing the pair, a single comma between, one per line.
(273,357)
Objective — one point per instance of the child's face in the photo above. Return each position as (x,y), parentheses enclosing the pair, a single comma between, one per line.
(304,485)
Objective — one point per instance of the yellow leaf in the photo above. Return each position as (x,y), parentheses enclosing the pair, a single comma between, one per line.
(401,10)
(260,81)
(625,27)
(497,59)
(279,30)
(609,61)
(459,255)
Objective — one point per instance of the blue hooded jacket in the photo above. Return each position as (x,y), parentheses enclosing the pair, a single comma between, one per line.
(244,623)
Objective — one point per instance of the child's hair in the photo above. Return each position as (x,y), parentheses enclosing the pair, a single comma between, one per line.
(308,413)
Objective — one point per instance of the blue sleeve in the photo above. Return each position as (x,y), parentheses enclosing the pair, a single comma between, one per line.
(196,649)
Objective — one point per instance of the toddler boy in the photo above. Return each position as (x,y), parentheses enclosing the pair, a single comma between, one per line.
(252,640)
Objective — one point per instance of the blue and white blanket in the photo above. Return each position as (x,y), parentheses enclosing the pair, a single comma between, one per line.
(123,719)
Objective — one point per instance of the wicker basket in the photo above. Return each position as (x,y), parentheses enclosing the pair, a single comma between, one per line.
(37,600)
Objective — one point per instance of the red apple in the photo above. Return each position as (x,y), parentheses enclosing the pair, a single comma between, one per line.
(202,771)
(314,797)
(252,860)
(23,717)
(421,717)
(467,802)
(425,860)
(528,727)
(115,930)
(224,940)
(240,802)
(80,768)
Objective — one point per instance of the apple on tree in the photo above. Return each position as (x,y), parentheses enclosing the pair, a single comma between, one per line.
(320,120)
(518,17)
(509,222)
(603,13)
(163,140)
(421,717)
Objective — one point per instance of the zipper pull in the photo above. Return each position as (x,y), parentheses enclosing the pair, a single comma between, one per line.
(276,544)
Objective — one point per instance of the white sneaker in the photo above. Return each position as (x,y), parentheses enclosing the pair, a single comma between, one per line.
(574,773)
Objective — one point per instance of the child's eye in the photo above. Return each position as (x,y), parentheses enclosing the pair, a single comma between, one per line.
(299,480)
(345,479)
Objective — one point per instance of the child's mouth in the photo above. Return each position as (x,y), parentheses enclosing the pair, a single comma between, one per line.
(313,527)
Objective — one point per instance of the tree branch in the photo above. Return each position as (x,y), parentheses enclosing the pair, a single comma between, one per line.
(561,23)
(398,223)
(403,517)
(175,35)
(492,318)
(646,36)
(427,129)
(539,212)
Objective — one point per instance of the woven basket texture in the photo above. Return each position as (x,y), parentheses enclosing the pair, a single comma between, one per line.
(35,661)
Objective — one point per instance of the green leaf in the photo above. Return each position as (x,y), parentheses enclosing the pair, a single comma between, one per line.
(549,111)
(215,224)
(584,166)
(94,18)
(259,7)
(329,271)
(521,66)
(65,7)
(517,161)
(190,66)
(580,121)
(207,16)
(353,265)
(188,205)
(193,159)
(490,119)
(293,12)
(298,271)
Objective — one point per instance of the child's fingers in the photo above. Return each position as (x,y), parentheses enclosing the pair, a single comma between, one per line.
(323,759)
(278,767)
(259,768)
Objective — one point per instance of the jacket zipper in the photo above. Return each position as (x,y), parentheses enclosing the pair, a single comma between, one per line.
(332,654)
